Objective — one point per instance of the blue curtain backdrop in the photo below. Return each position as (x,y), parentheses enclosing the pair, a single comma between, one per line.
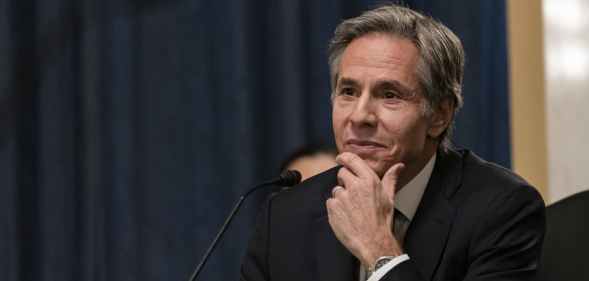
(128,128)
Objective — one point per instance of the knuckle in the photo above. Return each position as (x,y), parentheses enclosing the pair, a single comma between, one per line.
(335,190)
(329,204)
(341,193)
(344,174)
(333,205)
(341,173)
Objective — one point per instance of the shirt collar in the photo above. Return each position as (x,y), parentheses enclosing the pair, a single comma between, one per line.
(408,198)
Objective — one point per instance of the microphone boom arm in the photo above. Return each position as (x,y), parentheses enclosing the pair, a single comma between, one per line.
(287,178)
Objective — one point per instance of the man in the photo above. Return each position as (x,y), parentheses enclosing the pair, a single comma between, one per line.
(402,205)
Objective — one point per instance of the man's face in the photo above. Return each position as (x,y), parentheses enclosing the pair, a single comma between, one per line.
(378,109)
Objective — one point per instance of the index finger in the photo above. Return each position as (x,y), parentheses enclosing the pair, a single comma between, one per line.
(355,164)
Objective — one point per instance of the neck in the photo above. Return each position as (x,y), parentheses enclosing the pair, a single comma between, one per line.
(413,169)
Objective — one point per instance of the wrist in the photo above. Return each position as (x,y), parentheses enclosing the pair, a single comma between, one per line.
(379,263)
(387,247)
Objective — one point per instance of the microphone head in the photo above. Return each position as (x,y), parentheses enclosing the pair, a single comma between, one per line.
(289,178)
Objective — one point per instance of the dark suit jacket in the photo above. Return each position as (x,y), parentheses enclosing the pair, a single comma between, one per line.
(476,221)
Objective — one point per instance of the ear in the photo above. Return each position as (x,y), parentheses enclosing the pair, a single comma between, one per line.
(440,119)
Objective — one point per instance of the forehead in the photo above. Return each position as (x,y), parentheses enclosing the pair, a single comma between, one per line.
(380,56)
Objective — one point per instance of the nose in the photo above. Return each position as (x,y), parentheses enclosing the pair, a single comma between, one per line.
(364,114)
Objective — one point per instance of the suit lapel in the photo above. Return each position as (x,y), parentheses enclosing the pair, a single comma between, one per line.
(428,232)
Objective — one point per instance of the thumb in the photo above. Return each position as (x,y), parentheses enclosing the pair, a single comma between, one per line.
(390,180)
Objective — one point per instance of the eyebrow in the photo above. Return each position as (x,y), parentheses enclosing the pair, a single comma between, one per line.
(347,82)
(387,84)
(344,81)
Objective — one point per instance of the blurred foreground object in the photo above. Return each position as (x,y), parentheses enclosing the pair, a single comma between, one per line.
(564,256)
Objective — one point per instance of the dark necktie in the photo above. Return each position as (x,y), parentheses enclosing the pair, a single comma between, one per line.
(400,226)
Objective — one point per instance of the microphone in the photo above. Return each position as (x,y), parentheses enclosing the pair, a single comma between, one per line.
(286,178)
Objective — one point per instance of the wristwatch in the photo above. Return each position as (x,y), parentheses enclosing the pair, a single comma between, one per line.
(379,263)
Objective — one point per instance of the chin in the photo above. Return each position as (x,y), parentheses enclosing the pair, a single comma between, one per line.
(377,166)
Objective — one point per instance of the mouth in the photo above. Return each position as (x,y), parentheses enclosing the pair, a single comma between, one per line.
(363,145)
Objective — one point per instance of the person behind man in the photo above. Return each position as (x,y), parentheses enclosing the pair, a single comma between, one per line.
(310,160)
(403,205)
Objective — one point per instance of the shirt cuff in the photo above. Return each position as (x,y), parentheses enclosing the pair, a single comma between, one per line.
(378,274)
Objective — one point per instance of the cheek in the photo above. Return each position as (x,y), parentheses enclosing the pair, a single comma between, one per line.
(338,117)
(406,131)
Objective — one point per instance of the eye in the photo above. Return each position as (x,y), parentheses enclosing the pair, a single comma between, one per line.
(391,94)
(347,91)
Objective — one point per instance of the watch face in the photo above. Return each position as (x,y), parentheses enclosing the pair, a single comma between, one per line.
(382,261)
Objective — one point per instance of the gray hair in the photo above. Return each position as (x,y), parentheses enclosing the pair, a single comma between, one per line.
(441,65)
